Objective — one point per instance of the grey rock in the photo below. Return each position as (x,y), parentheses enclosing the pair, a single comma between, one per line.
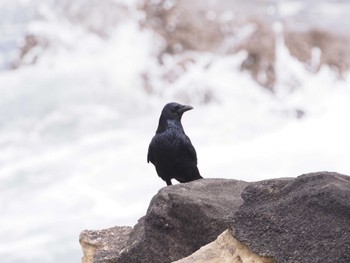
(306,219)
(303,219)
(181,219)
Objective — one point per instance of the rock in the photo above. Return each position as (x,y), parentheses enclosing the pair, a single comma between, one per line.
(225,249)
(333,49)
(306,219)
(103,244)
(229,27)
(180,219)
(183,25)
(303,219)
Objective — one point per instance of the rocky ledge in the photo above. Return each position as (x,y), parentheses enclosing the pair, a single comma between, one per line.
(303,219)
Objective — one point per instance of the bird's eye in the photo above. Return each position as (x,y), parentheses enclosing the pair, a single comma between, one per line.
(177,107)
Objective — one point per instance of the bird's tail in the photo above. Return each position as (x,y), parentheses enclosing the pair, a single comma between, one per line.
(198,177)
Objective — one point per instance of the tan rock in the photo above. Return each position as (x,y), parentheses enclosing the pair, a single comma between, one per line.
(225,249)
(103,244)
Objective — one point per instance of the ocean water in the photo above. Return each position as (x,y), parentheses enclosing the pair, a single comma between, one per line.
(75,127)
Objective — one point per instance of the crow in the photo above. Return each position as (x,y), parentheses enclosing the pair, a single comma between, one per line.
(170,150)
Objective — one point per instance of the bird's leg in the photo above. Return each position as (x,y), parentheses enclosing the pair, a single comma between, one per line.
(168,182)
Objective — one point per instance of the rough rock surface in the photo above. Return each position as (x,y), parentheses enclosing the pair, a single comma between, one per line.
(180,219)
(303,219)
(225,249)
(306,219)
(101,244)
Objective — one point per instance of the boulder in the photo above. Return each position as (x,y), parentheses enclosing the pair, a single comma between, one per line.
(306,219)
(100,245)
(180,219)
(225,249)
(303,219)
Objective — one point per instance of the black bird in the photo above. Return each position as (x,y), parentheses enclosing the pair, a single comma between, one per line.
(170,150)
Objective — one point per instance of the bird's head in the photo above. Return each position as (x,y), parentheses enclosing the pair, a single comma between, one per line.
(174,111)
(171,115)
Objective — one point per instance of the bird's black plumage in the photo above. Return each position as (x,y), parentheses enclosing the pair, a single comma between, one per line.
(170,150)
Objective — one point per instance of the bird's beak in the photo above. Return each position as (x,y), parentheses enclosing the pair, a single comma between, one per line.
(185,108)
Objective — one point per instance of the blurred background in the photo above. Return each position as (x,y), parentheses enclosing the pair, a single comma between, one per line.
(83,82)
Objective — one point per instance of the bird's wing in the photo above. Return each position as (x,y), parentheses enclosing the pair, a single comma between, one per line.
(189,149)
